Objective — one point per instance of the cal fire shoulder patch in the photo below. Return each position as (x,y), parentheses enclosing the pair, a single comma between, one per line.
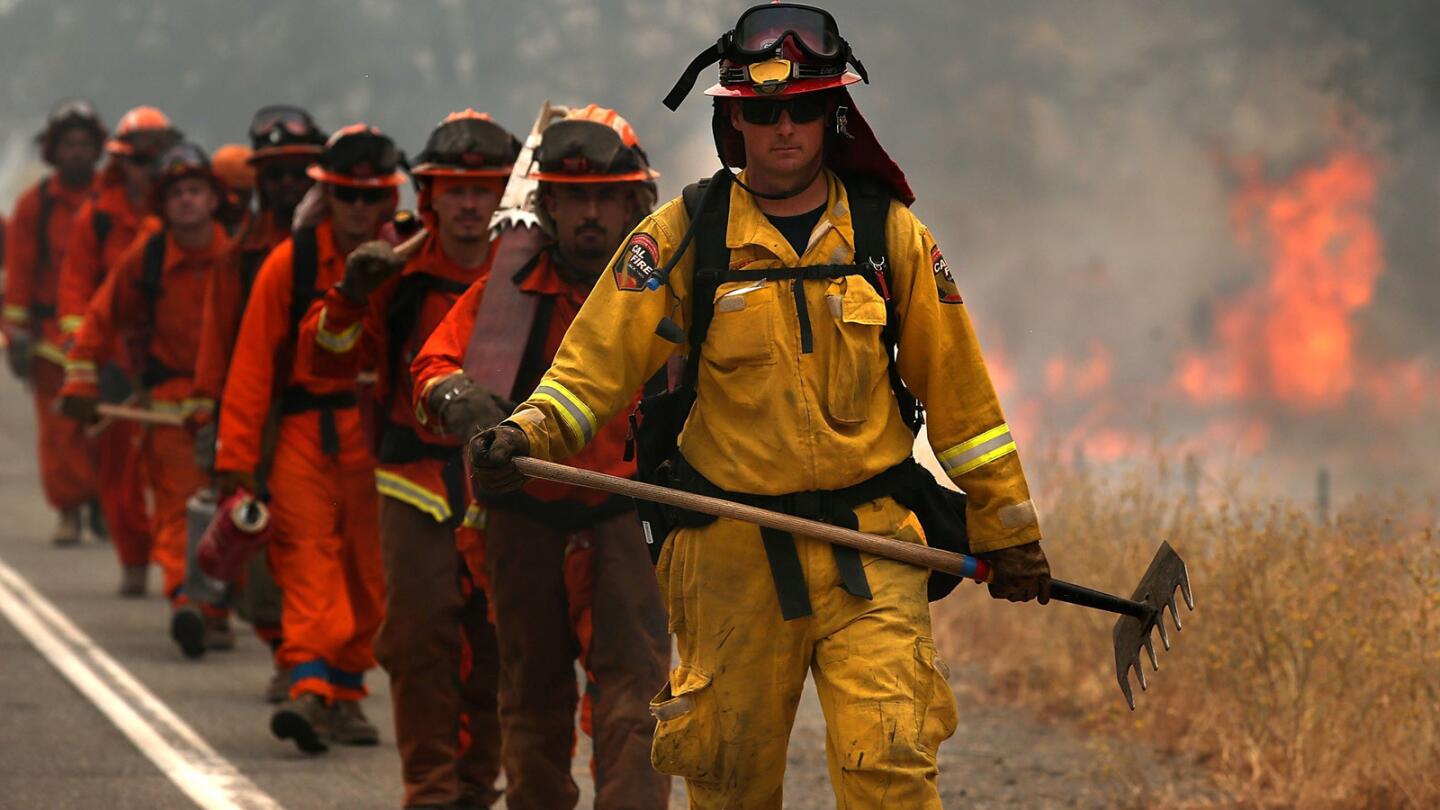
(637,264)
(944,281)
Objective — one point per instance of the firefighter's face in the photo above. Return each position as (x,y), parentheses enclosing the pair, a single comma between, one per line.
(75,153)
(463,206)
(358,213)
(590,218)
(282,182)
(783,153)
(190,202)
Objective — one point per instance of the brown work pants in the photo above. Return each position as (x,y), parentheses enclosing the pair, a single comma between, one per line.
(629,654)
(429,617)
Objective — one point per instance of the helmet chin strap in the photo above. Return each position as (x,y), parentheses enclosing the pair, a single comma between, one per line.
(780,195)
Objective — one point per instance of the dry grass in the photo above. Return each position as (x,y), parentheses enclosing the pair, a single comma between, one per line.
(1309,675)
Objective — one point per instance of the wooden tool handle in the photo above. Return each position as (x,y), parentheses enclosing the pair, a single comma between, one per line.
(962,565)
(412,245)
(142,415)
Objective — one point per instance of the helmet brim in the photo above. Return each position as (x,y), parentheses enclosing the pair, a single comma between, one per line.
(437,170)
(321,175)
(639,176)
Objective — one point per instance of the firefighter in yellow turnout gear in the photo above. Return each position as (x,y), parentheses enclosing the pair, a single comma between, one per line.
(795,409)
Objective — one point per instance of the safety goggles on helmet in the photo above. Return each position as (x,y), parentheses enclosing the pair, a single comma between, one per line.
(352,195)
(359,155)
(281,129)
(468,146)
(773,45)
(576,147)
(766,111)
(186,158)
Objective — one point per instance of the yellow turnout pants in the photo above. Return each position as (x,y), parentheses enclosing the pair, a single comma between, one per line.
(725,716)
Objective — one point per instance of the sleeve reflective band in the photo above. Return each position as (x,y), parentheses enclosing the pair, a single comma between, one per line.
(15,314)
(476,517)
(576,414)
(82,371)
(49,351)
(977,452)
(337,342)
(70,323)
(394,486)
(193,405)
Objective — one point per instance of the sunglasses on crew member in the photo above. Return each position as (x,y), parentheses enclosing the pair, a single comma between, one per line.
(275,174)
(802,108)
(364,196)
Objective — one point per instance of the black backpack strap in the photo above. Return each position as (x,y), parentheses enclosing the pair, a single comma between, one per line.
(152,287)
(870,212)
(42,226)
(304,269)
(101,223)
(404,316)
(712,260)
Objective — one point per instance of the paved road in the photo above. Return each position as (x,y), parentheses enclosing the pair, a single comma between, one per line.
(58,750)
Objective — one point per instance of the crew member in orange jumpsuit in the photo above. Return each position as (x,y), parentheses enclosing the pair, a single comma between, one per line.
(284,141)
(39,235)
(595,184)
(326,550)
(148,311)
(104,229)
(433,620)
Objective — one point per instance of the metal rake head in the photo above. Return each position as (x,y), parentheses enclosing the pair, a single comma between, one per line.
(1156,591)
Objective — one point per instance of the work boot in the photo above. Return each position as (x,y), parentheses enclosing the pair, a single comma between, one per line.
(67,531)
(187,627)
(96,522)
(303,719)
(350,726)
(278,689)
(134,581)
(218,635)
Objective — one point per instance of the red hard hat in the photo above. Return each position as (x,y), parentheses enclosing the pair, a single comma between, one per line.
(592,144)
(361,156)
(145,130)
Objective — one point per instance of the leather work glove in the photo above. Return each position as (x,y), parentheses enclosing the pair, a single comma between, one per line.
(20,354)
(492,453)
(367,267)
(1019,573)
(83,409)
(228,482)
(465,408)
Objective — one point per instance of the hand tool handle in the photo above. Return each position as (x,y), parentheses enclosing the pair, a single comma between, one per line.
(142,415)
(1099,600)
(961,565)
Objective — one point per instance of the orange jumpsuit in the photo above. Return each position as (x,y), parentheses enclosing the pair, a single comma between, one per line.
(432,631)
(32,262)
(164,346)
(117,449)
(566,567)
(325,553)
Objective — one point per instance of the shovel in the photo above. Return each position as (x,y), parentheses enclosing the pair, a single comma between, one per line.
(1140,615)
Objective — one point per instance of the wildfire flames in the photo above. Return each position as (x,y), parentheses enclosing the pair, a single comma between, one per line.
(1280,351)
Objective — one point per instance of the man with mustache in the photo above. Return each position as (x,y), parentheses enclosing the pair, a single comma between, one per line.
(436,644)
(555,555)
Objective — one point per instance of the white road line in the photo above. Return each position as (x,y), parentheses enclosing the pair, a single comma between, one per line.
(166,740)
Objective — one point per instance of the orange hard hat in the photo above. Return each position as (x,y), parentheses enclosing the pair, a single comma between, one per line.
(143,130)
(592,144)
(360,156)
(231,163)
(467,144)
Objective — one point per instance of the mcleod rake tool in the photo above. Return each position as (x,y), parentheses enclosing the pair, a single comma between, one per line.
(1140,616)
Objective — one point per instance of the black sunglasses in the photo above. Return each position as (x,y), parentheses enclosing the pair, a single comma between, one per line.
(803,109)
(366,196)
(142,159)
(275,174)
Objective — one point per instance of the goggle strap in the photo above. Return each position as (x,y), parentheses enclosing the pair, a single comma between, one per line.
(710,56)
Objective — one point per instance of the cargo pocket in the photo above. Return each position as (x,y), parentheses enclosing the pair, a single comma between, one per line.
(687,730)
(742,332)
(936,715)
(858,363)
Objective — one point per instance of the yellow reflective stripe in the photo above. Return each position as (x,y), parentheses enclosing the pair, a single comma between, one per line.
(337,342)
(575,412)
(977,452)
(167,406)
(80,371)
(49,351)
(394,486)
(476,517)
(70,323)
(194,405)
(15,314)
(422,409)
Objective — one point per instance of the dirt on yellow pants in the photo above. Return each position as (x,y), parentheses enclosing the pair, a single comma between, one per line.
(168,462)
(726,714)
